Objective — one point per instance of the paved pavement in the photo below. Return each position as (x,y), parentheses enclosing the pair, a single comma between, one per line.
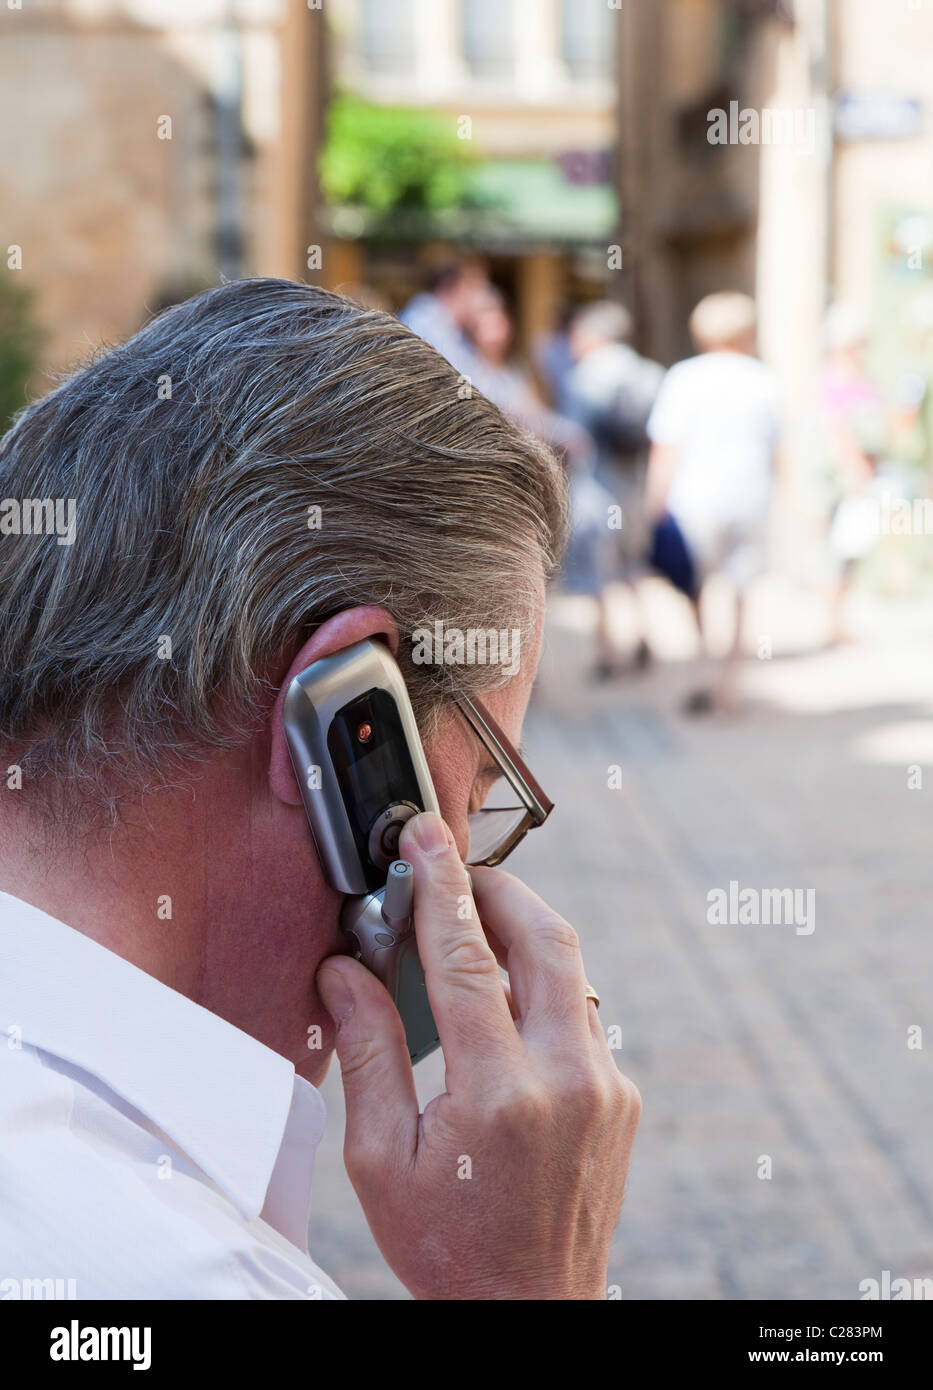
(748,1042)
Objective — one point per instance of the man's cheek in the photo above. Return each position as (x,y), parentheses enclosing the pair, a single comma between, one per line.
(456,818)
(453,780)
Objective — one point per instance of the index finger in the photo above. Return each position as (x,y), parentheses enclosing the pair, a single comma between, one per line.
(461,973)
(542,957)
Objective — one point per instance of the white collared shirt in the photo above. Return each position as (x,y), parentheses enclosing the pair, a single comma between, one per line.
(148,1149)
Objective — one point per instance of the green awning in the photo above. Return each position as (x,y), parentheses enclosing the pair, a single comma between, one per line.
(519,203)
(532,200)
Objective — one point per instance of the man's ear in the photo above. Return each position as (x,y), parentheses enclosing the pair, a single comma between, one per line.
(334,635)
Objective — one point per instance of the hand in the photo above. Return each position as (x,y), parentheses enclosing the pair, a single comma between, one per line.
(510,1184)
(662,464)
(655,505)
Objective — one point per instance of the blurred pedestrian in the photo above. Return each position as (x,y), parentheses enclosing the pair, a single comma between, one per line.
(852,418)
(554,359)
(714,431)
(610,391)
(441,311)
(508,386)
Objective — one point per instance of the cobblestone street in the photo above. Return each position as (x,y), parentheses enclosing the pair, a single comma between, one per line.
(748,1042)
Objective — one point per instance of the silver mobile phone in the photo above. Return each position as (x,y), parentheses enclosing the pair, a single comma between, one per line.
(362,774)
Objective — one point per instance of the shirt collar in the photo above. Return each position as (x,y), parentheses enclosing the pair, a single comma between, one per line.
(222,1097)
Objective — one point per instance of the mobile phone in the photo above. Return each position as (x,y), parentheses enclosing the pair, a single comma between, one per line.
(362,773)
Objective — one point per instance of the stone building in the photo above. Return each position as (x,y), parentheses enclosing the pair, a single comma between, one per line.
(822,191)
(148,146)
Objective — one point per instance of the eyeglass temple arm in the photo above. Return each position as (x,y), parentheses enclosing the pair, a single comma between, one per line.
(513,766)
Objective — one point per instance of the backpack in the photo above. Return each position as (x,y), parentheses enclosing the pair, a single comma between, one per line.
(621,426)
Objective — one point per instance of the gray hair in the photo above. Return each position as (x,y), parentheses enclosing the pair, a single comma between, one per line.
(723,320)
(197,453)
(606,320)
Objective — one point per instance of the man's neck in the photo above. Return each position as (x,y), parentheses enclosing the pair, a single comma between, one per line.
(113,889)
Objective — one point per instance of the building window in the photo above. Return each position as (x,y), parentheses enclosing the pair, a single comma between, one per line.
(388,38)
(489,37)
(588,36)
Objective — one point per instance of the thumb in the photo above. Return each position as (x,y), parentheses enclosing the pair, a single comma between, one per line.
(376,1071)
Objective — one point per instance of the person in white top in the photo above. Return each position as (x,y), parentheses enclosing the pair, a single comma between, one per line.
(125,1107)
(714,431)
(610,391)
(173,982)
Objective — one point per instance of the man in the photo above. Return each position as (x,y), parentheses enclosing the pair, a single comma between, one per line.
(442,312)
(458,309)
(263,476)
(714,431)
(610,392)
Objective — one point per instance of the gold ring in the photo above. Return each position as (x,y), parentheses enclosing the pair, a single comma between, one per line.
(591,994)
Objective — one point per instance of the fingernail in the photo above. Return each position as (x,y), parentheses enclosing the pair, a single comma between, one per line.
(333,989)
(431,833)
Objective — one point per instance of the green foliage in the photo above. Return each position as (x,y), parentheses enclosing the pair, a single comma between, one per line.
(19,347)
(386,158)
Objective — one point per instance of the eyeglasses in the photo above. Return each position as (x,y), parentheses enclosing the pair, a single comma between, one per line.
(499,827)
